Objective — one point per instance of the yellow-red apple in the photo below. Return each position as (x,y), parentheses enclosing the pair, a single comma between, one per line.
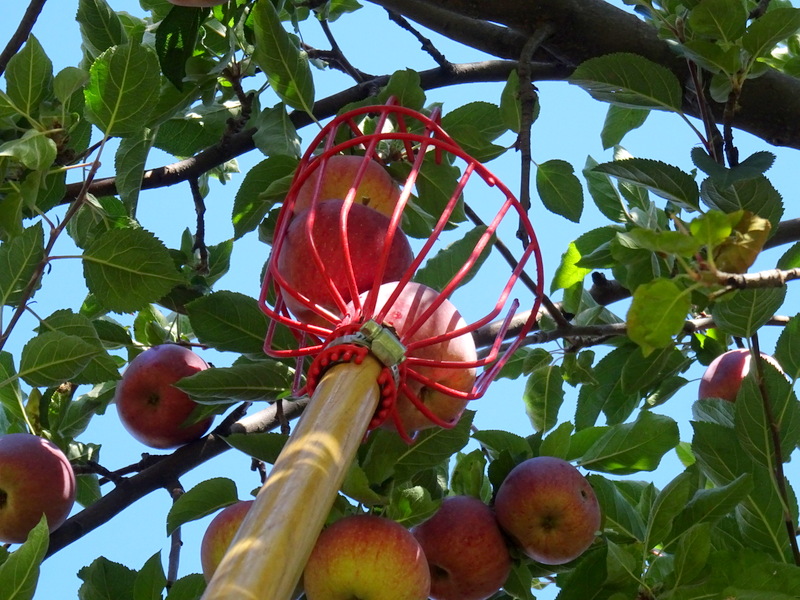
(365,238)
(150,407)
(466,550)
(366,557)
(35,479)
(219,534)
(549,509)
(377,189)
(413,301)
(723,377)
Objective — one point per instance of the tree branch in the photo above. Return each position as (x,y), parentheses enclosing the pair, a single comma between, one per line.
(164,472)
(21,34)
(768,106)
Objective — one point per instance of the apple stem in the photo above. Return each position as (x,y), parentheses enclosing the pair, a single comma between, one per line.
(276,537)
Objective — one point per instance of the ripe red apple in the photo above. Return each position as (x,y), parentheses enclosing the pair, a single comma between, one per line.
(35,478)
(366,557)
(365,236)
(150,407)
(414,299)
(549,509)
(466,551)
(723,377)
(219,534)
(377,189)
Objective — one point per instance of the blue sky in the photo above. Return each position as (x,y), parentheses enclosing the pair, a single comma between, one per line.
(568,128)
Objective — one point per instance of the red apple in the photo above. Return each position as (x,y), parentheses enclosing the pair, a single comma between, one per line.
(219,534)
(377,189)
(549,509)
(366,234)
(150,407)
(723,377)
(466,551)
(413,300)
(366,557)
(35,479)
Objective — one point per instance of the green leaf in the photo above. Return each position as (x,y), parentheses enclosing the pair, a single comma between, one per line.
(34,149)
(411,505)
(787,350)
(772,27)
(619,121)
(642,373)
(10,392)
(762,518)
(128,268)
(203,499)
(558,442)
(123,87)
(261,381)
(104,580)
(605,195)
(446,264)
(632,447)
(176,38)
(560,190)
(433,446)
(719,453)
(29,77)
(711,504)
(287,69)
(607,393)
(713,57)
(151,580)
(755,194)
(668,504)
(189,587)
(258,194)
(543,396)
(618,512)
(510,107)
(657,313)
(524,361)
(743,312)
(276,134)
(496,441)
(229,321)
(568,272)
(468,478)
(483,116)
(20,571)
(629,80)
(692,552)
(721,20)
(100,26)
(129,163)
(19,258)
(54,357)
(263,446)
(660,178)
(664,242)
(405,86)
(519,582)
(356,486)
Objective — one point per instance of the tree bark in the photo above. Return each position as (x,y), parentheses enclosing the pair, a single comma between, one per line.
(769,106)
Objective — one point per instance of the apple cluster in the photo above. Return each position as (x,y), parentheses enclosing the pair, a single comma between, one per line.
(36,479)
(352,265)
(544,509)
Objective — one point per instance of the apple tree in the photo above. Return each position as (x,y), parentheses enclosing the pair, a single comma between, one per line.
(671,267)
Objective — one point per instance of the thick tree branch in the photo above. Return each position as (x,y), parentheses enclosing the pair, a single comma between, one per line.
(769,105)
(164,472)
(235,145)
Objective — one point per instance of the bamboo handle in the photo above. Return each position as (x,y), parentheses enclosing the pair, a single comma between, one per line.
(266,557)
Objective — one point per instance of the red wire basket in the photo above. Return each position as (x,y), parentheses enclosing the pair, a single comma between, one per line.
(334,330)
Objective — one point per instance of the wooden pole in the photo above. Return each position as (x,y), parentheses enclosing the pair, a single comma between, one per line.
(267,556)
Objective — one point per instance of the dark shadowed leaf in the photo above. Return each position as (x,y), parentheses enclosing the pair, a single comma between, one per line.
(743,312)
(260,381)
(20,571)
(660,178)
(200,501)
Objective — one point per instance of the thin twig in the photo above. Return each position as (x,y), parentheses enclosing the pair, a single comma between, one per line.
(200,234)
(427,45)
(21,34)
(175,490)
(340,58)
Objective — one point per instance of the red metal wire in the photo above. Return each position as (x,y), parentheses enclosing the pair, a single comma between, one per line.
(422,139)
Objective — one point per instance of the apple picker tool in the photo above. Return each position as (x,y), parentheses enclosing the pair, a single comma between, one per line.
(361,290)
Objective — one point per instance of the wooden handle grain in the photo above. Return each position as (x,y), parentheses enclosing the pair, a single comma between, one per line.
(266,557)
